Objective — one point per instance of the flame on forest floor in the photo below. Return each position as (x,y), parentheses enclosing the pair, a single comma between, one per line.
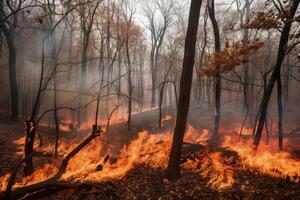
(153,150)
(215,168)
(266,159)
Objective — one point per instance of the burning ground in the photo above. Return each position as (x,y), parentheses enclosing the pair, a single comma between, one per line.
(130,165)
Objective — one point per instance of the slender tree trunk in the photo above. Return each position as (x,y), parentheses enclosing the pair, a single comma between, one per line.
(119,75)
(129,84)
(56,121)
(161,96)
(153,89)
(246,66)
(286,82)
(82,116)
(280,112)
(211,12)
(141,88)
(173,170)
(13,79)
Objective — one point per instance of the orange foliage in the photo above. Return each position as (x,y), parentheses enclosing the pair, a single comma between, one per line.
(231,56)
(264,20)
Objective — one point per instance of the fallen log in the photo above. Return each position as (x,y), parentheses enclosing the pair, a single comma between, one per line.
(52,181)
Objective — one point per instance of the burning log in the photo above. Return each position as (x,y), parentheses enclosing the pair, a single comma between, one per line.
(52,181)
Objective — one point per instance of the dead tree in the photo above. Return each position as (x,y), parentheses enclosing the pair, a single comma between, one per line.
(173,170)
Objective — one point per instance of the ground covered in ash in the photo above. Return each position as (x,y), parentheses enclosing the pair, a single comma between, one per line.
(144,182)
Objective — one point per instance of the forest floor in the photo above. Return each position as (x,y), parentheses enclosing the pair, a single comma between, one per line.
(145,182)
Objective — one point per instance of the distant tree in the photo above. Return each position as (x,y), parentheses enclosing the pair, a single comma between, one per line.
(157,31)
(129,30)
(87,15)
(8,27)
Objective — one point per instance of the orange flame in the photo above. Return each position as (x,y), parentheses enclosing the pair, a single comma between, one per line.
(154,149)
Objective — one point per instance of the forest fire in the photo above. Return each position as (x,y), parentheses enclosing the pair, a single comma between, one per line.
(153,150)
(161,99)
(266,159)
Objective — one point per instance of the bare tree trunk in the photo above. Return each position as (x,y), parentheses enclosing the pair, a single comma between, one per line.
(286,82)
(56,121)
(129,97)
(119,75)
(280,112)
(153,88)
(161,95)
(246,65)
(173,170)
(141,88)
(82,116)
(129,80)
(211,12)
(13,80)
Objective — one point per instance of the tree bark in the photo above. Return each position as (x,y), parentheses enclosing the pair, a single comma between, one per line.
(129,85)
(246,65)
(56,121)
(161,95)
(211,13)
(173,170)
(13,80)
